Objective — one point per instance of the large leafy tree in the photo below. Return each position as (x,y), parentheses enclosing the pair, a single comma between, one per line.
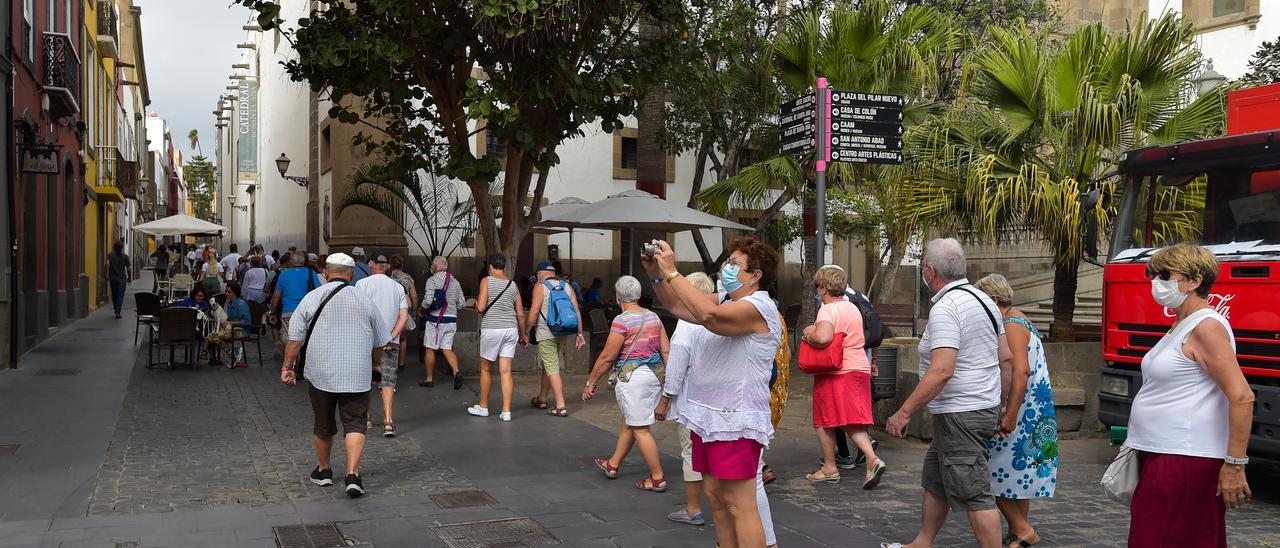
(420,77)
(201,185)
(1264,67)
(878,46)
(1035,146)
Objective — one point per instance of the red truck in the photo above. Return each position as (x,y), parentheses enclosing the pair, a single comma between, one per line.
(1242,228)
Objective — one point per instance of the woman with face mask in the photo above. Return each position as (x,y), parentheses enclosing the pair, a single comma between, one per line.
(1191,419)
(725,402)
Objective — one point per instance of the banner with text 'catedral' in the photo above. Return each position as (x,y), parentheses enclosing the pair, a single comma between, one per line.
(247,129)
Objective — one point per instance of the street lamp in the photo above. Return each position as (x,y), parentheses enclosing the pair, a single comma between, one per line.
(282,164)
(1208,80)
(231,199)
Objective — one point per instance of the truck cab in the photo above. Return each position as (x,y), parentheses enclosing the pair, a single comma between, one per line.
(1240,178)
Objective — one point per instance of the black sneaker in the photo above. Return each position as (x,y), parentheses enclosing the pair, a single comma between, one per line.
(354,487)
(322,477)
(457,380)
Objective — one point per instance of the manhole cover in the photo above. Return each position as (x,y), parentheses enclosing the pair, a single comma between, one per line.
(463,499)
(6,450)
(57,372)
(504,533)
(324,535)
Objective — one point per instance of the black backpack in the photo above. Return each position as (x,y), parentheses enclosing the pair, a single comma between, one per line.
(874,331)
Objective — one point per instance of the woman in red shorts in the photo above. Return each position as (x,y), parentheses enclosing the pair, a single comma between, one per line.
(841,399)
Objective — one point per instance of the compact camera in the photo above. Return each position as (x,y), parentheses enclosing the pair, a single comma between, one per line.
(648,250)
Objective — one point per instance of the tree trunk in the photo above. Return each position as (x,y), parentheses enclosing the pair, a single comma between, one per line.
(886,274)
(809,266)
(699,173)
(1065,280)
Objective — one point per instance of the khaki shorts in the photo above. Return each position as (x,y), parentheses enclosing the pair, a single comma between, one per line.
(955,466)
(549,354)
(686,454)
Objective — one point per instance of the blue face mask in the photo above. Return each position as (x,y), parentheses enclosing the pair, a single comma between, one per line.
(729,277)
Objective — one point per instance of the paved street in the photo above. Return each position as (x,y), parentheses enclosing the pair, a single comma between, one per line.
(111,453)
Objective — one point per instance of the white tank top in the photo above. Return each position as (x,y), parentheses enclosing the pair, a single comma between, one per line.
(1180,410)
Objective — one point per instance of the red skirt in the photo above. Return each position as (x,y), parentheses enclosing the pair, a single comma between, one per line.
(841,400)
(1176,503)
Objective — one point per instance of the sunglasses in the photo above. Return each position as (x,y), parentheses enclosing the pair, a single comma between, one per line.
(1163,274)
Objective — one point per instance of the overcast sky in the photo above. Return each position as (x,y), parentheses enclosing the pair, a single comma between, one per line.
(190,46)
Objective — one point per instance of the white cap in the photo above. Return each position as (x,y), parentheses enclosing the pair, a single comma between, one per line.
(341,259)
(357,251)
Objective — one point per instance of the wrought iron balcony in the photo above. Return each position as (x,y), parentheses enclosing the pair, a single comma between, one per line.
(61,75)
(108,33)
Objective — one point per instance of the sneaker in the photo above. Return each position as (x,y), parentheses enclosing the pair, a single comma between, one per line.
(322,477)
(478,411)
(237,356)
(505,416)
(843,463)
(457,380)
(683,516)
(354,487)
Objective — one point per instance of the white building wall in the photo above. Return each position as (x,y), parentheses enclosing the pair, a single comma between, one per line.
(1230,48)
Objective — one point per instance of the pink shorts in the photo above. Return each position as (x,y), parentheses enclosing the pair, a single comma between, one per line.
(727,460)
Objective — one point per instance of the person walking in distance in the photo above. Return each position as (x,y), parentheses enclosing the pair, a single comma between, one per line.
(119,271)
(441,299)
(962,356)
(398,274)
(291,286)
(502,327)
(388,299)
(334,337)
(556,314)
(230,264)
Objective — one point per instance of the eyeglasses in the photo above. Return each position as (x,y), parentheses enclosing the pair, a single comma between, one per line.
(1163,274)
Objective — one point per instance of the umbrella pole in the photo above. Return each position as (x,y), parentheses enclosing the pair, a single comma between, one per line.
(571,252)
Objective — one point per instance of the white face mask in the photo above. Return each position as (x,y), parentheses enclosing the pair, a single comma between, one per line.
(1166,293)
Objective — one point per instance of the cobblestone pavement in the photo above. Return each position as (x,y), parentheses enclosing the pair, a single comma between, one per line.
(1079,515)
(213,436)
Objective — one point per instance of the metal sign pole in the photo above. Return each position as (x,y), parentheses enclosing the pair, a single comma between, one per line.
(822,156)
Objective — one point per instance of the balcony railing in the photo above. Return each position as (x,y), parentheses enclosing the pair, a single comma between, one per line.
(108,33)
(61,74)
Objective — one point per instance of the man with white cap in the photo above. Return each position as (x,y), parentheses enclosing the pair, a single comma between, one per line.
(362,265)
(390,300)
(335,333)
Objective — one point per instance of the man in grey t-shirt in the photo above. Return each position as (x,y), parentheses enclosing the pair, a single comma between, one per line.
(962,353)
(119,271)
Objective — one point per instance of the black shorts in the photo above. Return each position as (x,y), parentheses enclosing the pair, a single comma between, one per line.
(352,407)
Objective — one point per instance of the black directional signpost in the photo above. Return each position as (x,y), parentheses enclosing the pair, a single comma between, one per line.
(840,126)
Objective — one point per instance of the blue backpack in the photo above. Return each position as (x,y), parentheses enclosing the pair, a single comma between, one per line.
(561,318)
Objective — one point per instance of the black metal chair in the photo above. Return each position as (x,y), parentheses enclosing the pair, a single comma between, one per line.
(599,324)
(149,306)
(177,328)
(255,331)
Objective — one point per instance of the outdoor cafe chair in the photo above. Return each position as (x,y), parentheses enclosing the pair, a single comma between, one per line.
(255,330)
(148,305)
(177,328)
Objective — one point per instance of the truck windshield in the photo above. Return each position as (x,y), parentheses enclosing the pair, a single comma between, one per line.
(1243,207)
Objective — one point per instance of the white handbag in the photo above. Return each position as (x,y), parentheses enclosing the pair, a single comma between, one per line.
(1121,477)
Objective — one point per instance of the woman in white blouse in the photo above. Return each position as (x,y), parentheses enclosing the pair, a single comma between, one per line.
(1190,421)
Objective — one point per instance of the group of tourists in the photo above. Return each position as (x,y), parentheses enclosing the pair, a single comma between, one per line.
(721,376)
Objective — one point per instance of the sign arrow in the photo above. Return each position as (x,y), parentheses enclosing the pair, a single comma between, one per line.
(875,142)
(841,127)
(866,114)
(859,99)
(861,156)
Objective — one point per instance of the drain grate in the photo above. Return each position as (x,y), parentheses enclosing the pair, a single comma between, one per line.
(325,535)
(504,533)
(130,544)
(463,499)
(57,372)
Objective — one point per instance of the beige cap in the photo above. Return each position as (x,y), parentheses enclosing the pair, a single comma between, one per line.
(340,259)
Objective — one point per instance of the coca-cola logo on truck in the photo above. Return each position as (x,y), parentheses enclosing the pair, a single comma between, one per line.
(1220,303)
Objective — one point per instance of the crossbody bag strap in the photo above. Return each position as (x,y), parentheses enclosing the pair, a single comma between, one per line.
(495,299)
(995,326)
(634,341)
(311,326)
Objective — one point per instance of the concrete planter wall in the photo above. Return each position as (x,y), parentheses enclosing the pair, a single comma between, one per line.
(1073,372)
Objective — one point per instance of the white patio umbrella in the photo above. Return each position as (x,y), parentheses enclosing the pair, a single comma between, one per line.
(639,210)
(561,214)
(180,225)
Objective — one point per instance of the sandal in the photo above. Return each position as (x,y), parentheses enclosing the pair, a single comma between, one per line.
(609,470)
(820,477)
(540,404)
(1019,542)
(767,476)
(558,412)
(874,473)
(654,485)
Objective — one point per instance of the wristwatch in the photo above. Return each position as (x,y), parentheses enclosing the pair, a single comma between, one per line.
(673,276)
(1232,460)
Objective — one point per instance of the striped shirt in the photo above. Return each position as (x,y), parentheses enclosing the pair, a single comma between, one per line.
(454,299)
(642,342)
(958,321)
(500,305)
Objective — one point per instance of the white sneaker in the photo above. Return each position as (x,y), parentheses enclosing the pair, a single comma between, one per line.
(478,411)
(505,416)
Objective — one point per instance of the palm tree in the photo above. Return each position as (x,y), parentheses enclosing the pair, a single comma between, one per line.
(432,204)
(194,137)
(876,47)
(1043,128)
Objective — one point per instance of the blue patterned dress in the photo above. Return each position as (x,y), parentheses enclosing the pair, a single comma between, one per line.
(1024,465)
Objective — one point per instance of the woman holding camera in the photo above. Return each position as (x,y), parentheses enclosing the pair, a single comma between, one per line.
(726,399)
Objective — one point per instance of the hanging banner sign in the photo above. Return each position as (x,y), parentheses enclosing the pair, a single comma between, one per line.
(247,129)
(38,160)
